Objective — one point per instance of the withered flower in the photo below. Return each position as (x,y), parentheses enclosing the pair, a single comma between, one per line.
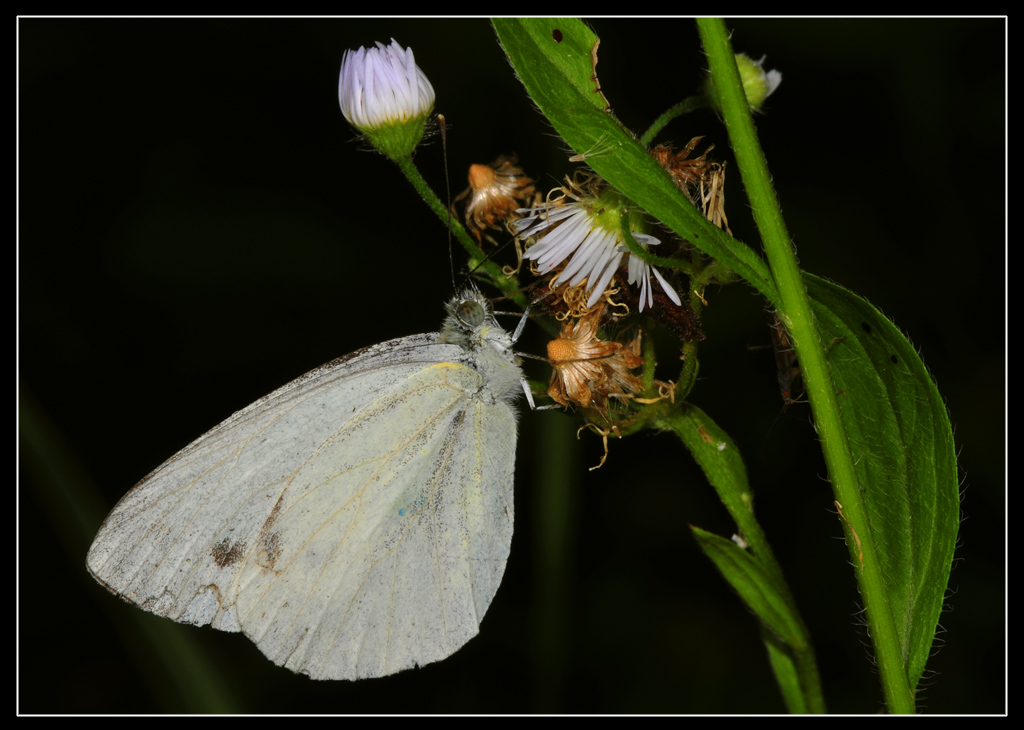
(588,371)
(495,192)
(687,172)
(701,180)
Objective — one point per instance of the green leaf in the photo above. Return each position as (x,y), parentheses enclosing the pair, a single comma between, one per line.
(902,444)
(569,46)
(559,78)
(787,674)
(750,580)
(717,455)
(782,630)
(753,572)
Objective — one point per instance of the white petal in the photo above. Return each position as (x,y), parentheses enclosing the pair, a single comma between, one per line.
(645,240)
(667,287)
(559,244)
(382,85)
(588,256)
(606,276)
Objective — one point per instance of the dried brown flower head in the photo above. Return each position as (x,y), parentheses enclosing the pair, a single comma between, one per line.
(712,196)
(686,172)
(495,192)
(588,371)
(701,179)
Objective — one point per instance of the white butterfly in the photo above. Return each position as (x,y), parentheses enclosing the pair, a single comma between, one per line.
(353,523)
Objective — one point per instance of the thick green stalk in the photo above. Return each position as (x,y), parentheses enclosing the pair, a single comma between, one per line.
(796,314)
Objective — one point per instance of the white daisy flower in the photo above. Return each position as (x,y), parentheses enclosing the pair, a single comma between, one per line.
(385,95)
(596,252)
(383,85)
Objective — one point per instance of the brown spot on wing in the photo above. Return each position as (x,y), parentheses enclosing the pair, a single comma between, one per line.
(225,554)
(270,551)
(269,542)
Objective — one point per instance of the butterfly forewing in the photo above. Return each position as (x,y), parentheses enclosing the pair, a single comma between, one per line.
(353,523)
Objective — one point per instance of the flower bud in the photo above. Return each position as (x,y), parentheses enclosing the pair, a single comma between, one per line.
(758,84)
(385,95)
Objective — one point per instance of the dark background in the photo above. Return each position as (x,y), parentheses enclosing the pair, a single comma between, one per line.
(198,226)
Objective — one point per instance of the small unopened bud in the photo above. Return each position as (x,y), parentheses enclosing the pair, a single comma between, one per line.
(385,95)
(758,84)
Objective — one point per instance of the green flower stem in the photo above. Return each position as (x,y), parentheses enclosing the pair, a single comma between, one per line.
(688,422)
(688,375)
(796,315)
(477,259)
(687,105)
(734,495)
(650,360)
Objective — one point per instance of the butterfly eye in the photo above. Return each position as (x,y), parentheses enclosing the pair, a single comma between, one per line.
(470,313)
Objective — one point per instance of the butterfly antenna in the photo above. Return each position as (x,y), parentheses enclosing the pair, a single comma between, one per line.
(448,192)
